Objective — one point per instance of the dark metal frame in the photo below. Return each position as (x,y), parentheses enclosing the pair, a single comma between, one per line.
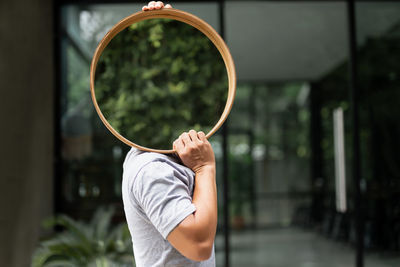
(225,169)
(354,97)
(57,104)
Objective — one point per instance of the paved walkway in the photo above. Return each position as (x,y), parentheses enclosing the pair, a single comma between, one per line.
(292,247)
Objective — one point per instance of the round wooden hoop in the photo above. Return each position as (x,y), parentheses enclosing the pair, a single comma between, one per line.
(187,18)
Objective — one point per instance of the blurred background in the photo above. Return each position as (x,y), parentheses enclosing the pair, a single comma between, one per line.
(308,162)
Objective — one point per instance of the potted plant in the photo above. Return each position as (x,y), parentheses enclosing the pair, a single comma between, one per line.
(96,243)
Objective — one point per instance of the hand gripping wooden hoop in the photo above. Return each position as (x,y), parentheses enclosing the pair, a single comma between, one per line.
(182,16)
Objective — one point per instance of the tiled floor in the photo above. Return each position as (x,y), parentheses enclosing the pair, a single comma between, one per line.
(292,247)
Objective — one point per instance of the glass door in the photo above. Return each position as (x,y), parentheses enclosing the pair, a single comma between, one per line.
(290,197)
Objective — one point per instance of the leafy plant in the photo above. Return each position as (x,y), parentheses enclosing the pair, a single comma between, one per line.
(158,78)
(93,244)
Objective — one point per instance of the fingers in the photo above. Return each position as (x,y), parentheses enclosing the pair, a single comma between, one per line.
(192,137)
(185,139)
(159,5)
(189,141)
(195,138)
(153,5)
(178,145)
(202,136)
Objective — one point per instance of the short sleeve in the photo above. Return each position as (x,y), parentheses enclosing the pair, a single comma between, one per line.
(163,193)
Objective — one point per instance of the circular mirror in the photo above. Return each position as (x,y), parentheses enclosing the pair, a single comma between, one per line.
(159,73)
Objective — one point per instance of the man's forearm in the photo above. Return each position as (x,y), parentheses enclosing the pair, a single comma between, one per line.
(194,236)
(205,200)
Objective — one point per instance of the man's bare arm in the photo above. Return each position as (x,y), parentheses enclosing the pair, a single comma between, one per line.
(194,236)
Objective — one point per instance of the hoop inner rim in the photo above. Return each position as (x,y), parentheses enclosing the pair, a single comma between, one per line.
(184,17)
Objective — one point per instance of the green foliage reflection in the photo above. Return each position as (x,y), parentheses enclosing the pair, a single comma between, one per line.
(158,78)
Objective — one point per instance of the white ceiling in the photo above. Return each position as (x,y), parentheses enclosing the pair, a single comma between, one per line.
(272,41)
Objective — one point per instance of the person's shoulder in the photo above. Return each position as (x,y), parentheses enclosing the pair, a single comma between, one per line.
(164,166)
(137,158)
(139,161)
(154,165)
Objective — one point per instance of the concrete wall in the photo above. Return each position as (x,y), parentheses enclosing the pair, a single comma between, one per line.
(26,134)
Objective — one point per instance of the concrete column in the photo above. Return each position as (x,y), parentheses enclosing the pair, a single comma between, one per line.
(26,133)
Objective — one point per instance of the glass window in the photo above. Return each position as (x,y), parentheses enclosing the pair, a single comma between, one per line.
(378,41)
(288,56)
(292,65)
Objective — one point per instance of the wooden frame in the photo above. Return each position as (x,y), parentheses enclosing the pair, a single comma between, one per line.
(187,18)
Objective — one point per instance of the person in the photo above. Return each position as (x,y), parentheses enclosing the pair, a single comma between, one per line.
(170,200)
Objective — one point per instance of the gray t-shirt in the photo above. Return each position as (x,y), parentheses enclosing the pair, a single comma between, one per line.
(157,193)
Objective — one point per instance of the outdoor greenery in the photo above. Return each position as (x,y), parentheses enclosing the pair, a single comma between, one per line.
(158,78)
(93,244)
